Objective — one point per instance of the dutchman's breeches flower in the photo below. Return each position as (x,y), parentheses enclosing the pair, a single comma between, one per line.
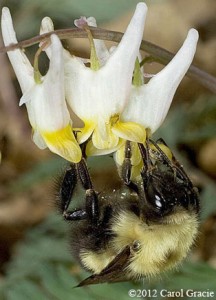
(149,103)
(44,96)
(99,94)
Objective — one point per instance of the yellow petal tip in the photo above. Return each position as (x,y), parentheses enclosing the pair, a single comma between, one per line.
(63,143)
(130,131)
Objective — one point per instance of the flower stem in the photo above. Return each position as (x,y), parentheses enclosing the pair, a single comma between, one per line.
(37,74)
(159,54)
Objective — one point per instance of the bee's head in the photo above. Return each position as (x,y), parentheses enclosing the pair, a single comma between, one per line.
(165,192)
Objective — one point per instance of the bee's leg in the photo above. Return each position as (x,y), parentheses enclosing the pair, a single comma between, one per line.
(91,211)
(92,207)
(174,164)
(126,168)
(171,163)
(68,185)
(163,155)
(147,165)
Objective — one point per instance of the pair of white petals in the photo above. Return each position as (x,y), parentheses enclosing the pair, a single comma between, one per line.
(104,100)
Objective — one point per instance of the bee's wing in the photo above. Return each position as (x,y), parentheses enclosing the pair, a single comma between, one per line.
(114,272)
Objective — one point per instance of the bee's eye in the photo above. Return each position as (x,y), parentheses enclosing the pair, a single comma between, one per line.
(160,197)
(155,198)
(158,201)
(136,246)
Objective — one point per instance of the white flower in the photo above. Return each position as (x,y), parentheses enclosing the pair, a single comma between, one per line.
(44,96)
(149,103)
(98,96)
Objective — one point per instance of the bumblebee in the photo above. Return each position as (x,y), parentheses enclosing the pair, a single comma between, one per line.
(138,233)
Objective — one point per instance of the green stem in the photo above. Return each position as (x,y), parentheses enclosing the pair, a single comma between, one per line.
(95,65)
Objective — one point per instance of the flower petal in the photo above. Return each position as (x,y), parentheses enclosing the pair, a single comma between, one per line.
(103,137)
(130,131)
(150,103)
(84,133)
(91,150)
(38,140)
(136,172)
(45,101)
(63,143)
(119,155)
(53,103)
(21,65)
(46,26)
(123,58)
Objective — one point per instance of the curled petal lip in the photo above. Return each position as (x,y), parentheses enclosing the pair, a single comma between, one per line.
(63,143)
